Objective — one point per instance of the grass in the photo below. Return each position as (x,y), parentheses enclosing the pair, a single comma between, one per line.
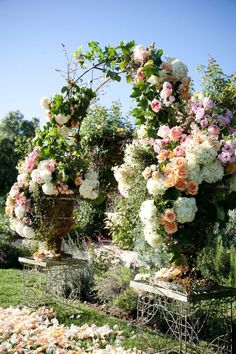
(133,336)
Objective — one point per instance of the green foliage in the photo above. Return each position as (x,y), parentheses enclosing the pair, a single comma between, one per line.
(217,85)
(113,288)
(89,219)
(214,261)
(15,134)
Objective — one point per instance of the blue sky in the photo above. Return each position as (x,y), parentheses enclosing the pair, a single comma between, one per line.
(31,33)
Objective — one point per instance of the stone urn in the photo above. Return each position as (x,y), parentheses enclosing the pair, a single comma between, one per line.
(53,218)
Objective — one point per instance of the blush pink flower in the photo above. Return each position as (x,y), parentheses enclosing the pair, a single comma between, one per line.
(156,105)
(175,133)
(179,151)
(214,130)
(163,131)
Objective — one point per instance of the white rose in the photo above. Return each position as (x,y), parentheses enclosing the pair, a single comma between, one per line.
(23,178)
(20,211)
(13,224)
(44,103)
(154,80)
(140,54)
(36,177)
(62,119)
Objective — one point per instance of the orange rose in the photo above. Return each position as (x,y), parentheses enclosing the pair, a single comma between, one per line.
(230,168)
(170,227)
(192,188)
(181,184)
(78,181)
(169,215)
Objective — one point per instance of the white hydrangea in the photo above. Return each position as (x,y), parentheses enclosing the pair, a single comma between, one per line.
(129,155)
(124,190)
(194,172)
(28,232)
(19,226)
(148,212)
(185,209)
(204,153)
(179,69)
(213,172)
(89,187)
(156,186)
(49,189)
(64,131)
(151,236)
(232,183)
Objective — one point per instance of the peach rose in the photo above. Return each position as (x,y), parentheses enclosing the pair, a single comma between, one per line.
(192,188)
(180,161)
(175,133)
(182,171)
(164,154)
(156,174)
(147,172)
(74,123)
(230,168)
(168,169)
(170,227)
(169,215)
(78,181)
(170,181)
(181,184)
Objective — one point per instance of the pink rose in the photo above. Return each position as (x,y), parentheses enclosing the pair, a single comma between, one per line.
(156,105)
(179,151)
(214,130)
(175,133)
(140,54)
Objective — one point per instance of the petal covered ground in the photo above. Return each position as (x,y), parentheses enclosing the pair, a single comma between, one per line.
(23,330)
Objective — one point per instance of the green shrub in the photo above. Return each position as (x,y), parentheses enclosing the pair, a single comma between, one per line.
(113,289)
(214,262)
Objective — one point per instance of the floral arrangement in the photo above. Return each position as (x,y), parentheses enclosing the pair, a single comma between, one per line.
(190,160)
(26,331)
(54,165)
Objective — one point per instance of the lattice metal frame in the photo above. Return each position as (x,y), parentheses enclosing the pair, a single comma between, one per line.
(57,282)
(188,321)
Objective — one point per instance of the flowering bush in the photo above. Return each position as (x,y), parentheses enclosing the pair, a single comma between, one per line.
(191,177)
